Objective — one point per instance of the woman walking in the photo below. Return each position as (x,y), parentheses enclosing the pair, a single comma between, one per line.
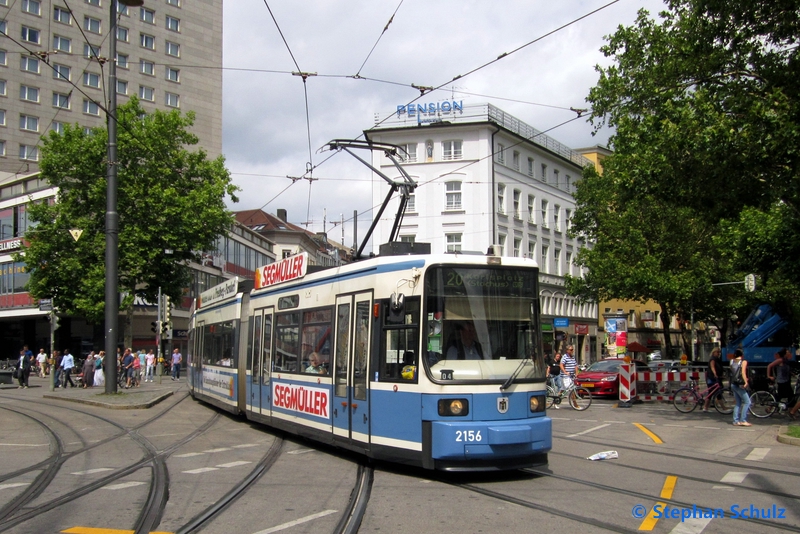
(739,385)
(99,377)
(88,371)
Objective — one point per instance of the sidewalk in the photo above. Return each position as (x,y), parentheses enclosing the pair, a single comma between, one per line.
(147,395)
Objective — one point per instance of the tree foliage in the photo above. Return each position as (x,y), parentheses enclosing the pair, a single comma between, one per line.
(703,185)
(169,198)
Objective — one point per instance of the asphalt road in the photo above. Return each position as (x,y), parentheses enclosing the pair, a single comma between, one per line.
(159,468)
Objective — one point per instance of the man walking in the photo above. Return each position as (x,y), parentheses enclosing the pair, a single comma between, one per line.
(176,364)
(67,364)
(41,359)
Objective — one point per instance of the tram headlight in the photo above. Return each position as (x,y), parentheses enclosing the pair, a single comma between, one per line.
(453,407)
(537,403)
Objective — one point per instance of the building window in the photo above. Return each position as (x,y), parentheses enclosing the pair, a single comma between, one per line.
(173,24)
(531,209)
(2,57)
(176,3)
(530,167)
(61,14)
(30,35)
(453,195)
(122,34)
(122,87)
(29,64)
(91,24)
(568,183)
(500,154)
(2,117)
(147,15)
(2,148)
(122,9)
(31,94)
(29,123)
(556,222)
(91,79)
(57,127)
(411,205)
(515,160)
(568,258)
(173,74)
(517,245)
(122,61)
(147,67)
(517,195)
(557,260)
(172,100)
(93,2)
(60,100)
(3,87)
(555,177)
(501,242)
(147,93)
(147,41)
(451,150)
(31,6)
(501,199)
(91,107)
(544,264)
(532,249)
(567,220)
(410,154)
(28,152)
(453,242)
(62,44)
(173,49)
(544,214)
(91,51)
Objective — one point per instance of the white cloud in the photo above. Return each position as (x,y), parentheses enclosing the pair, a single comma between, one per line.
(266,126)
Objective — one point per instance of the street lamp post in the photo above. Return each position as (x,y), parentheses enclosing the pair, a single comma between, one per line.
(112,216)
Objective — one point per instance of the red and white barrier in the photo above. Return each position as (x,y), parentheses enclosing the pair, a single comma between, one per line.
(659,386)
(627,382)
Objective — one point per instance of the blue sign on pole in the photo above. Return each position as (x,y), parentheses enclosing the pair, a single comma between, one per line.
(561,322)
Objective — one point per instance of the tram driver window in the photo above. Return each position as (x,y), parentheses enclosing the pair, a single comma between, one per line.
(399,355)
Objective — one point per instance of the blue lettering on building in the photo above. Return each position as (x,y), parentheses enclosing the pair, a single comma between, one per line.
(431,108)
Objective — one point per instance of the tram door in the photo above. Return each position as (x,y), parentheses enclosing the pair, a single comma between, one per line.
(351,374)
(258,363)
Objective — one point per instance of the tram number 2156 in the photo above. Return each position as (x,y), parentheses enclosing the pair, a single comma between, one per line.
(468,435)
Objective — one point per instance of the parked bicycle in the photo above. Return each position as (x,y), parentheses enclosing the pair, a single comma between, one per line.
(687,398)
(579,398)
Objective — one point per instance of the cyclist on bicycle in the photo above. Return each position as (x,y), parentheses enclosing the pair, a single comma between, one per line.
(569,361)
(713,374)
(554,371)
(780,372)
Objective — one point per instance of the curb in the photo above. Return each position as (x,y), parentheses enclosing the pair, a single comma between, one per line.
(784,437)
(142,405)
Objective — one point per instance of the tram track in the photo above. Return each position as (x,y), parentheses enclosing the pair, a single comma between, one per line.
(158,492)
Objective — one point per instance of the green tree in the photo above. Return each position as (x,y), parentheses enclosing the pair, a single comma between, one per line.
(704,103)
(169,198)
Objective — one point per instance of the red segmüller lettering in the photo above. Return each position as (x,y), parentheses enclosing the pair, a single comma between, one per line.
(289,268)
(302,399)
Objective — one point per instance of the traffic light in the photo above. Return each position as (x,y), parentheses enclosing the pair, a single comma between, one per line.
(167,310)
(154,326)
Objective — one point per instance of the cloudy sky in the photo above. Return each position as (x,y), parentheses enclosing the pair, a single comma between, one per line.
(364,66)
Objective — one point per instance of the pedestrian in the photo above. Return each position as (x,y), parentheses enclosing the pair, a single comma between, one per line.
(137,370)
(568,359)
(142,366)
(713,374)
(24,365)
(176,364)
(88,371)
(57,359)
(781,372)
(41,359)
(67,364)
(739,385)
(99,377)
(554,371)
(150,361)
(127,367)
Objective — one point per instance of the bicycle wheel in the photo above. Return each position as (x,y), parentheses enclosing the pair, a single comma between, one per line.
(724,401)
(685,400)
(762,404)
(580,398)
(551,397)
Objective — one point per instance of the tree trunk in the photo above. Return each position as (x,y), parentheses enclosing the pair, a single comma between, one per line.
(665,320)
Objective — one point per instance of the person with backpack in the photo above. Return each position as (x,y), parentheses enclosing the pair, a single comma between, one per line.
(739,385)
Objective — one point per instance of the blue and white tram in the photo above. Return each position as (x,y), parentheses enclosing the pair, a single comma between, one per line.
(427,360)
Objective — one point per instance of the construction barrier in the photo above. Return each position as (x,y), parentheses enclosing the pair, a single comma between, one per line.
(660,386)
(627,382)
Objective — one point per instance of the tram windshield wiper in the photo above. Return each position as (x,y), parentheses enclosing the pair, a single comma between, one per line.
(514,375)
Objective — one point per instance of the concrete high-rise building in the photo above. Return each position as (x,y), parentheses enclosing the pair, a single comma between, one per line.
(53,68)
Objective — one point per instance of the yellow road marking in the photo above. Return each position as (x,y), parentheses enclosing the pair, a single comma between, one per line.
(650,521)
(648,432)
(92,530)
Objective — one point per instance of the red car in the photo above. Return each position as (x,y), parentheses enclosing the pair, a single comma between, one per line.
(602,378)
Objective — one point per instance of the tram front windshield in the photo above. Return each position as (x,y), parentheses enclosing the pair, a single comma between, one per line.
(482,324)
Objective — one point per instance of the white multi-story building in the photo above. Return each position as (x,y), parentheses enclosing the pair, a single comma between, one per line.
(486,178)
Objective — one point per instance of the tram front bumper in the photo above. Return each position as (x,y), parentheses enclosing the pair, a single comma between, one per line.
(464,440)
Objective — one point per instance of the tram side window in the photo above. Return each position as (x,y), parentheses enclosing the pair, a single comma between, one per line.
(317,328)
(218,344)
(399,356)
(287,342)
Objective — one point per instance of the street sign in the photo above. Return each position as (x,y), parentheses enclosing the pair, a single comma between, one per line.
(45,304)
(750,282)
(561,322)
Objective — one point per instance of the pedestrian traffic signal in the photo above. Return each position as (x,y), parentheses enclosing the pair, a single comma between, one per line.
(154,328)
